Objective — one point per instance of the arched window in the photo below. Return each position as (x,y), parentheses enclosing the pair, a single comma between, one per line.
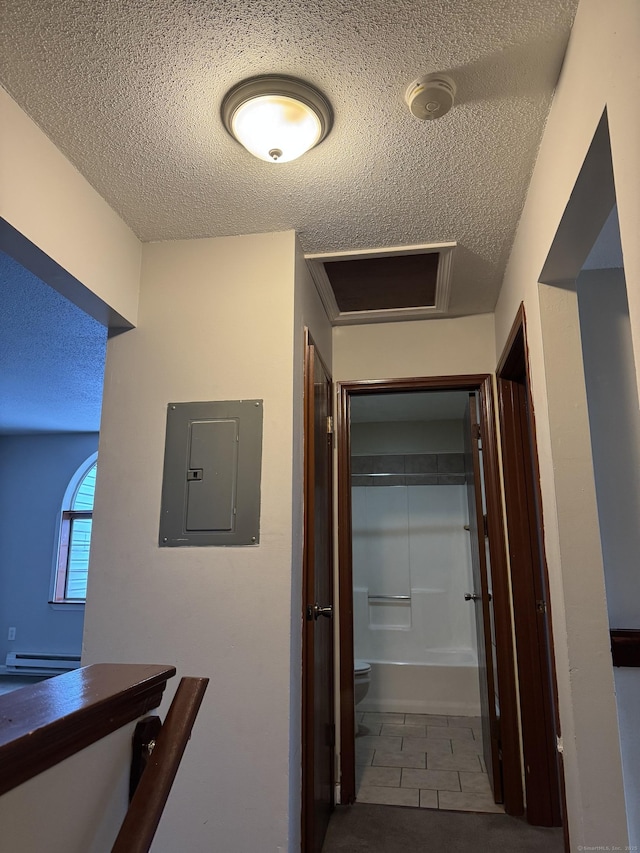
(75,536)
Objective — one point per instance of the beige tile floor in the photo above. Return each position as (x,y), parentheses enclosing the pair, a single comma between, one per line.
(422,760)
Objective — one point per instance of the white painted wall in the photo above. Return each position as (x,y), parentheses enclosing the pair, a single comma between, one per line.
(614,421)
(36,470)
(58,812)
(601,70)
(628,696)
(583,573)
(417,348)
(309,312)
(218,319)
(44,197)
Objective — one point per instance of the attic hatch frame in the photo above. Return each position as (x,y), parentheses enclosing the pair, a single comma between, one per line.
(316,264)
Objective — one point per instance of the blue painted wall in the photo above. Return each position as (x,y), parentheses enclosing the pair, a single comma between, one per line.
(34,473)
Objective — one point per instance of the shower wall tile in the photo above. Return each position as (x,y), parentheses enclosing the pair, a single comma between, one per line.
(417,469)
(362,464)
(361,480)
(389,480)
(422,480)
(451,479)
(421,463)
(450,463)
(389,464)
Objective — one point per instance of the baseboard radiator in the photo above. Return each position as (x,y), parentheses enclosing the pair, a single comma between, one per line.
(40,663)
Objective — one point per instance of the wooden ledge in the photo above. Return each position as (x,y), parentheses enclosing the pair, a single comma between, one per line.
(47,722)
(625,646)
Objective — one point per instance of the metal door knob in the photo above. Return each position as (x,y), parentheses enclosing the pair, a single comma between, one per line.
(322,611)
(472,596)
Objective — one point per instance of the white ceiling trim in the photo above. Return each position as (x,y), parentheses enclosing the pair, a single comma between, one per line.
(316,264)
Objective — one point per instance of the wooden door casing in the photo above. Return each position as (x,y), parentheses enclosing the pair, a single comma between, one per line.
(483,385)
(318,723)
(544,781)
(487,676)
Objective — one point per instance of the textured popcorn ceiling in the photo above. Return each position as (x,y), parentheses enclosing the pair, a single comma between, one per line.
(51,358)
(130,90)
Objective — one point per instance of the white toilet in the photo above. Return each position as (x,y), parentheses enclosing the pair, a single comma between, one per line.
(361,678)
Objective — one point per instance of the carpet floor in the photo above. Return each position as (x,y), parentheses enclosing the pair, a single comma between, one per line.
(394,829)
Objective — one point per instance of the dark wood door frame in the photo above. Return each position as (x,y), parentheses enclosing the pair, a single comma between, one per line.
(544,782)
(318,521)
(483,608)
(483,384)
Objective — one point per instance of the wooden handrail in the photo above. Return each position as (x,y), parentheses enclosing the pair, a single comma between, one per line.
(142,819)
(625,646)
(47,722)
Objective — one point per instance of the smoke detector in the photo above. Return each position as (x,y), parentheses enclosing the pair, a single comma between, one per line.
(431,96)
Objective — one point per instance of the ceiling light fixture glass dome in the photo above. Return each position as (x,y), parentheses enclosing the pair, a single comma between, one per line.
(277,119)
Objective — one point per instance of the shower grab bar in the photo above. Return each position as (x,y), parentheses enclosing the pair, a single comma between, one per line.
(389,597)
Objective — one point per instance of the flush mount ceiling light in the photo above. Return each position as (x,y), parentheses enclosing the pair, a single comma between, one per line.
(276,118)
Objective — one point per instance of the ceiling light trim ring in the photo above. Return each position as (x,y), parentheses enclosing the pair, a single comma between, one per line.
(280,86)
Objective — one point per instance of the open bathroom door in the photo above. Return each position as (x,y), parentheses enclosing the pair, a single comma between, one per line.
(318,723)
(481,599)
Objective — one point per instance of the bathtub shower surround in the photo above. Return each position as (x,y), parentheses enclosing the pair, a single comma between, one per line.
(411,569)
(410,469)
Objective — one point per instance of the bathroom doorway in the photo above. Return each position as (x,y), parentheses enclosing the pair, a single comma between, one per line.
(406,530)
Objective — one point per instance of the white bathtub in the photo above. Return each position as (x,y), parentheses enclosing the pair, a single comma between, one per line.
(422,655)
(429,688)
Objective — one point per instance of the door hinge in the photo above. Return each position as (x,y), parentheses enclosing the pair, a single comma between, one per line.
(330,425)
(475,432)
(541,606)
(485,525)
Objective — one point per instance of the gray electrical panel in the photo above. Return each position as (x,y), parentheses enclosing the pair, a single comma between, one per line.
(212,466)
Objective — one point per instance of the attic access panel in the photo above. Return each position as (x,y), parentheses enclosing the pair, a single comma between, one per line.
(383,285)
(212,466)
(374,284)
